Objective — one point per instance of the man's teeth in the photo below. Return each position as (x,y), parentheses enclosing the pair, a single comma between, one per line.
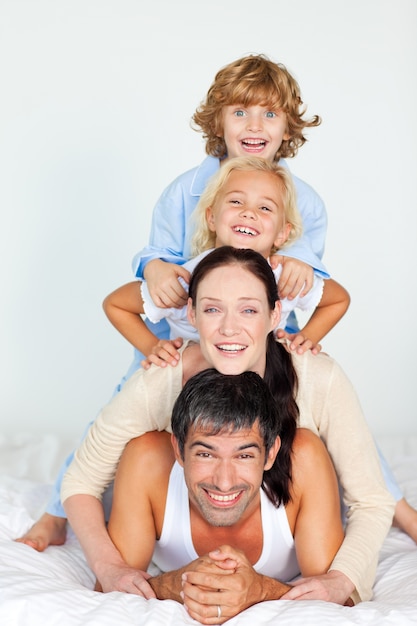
(220,498)
(231,347)
(245,230)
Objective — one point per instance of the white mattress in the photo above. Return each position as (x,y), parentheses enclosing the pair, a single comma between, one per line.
(55,587)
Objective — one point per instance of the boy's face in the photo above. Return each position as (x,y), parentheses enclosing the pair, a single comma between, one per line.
(249,212)
(224,472)
(254,130)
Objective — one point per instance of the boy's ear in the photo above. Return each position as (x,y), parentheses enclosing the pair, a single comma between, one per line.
(282,236)
(191,312)
(210,219)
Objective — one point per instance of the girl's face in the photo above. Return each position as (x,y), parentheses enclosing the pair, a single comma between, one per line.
(249,212)
(233,319)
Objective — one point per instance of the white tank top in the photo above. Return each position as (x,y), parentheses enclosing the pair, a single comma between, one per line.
(175,547)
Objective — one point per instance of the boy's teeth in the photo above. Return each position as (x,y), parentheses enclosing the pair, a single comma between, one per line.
(254,142)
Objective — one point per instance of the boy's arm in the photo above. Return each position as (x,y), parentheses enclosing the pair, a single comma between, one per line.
(333,305)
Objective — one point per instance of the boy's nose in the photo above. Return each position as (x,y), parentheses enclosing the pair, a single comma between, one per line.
(254,123)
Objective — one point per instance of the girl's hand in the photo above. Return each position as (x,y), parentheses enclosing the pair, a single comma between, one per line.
(296,276)
(163,284)
(298,342)
(164,353)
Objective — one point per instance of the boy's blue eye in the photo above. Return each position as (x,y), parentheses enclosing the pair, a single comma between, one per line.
(270,114)
(239,113)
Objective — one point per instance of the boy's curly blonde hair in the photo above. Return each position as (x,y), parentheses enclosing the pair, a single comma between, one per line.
(253,80)
(205,239)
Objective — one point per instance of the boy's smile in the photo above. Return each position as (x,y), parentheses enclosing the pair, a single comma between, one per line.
(253,130)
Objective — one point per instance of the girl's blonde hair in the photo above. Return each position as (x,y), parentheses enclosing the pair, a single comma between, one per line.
(204,238)
(253,80)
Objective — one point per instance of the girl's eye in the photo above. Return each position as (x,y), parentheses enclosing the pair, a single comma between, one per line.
(270,114)
(265,208)
(239,113)
(235,202)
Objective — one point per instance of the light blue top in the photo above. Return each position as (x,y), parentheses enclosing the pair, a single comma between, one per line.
(172,229)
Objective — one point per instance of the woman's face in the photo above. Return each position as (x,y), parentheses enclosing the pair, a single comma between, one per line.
(233,319)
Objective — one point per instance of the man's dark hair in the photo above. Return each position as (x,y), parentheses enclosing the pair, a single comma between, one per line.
(228,403)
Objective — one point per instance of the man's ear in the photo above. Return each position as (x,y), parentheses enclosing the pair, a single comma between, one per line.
(272,454)
(176,448)
(191,313)
(210,219)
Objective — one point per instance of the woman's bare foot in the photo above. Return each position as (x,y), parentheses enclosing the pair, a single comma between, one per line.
(49,530)
(406,518)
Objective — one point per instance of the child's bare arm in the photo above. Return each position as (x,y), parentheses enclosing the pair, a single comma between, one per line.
(163,284)
(331,308)
(123,308)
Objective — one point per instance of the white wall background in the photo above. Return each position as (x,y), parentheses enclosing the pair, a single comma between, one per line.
(95,103)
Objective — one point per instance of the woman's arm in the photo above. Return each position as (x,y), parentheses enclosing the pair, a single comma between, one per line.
(140,407)
(85,514)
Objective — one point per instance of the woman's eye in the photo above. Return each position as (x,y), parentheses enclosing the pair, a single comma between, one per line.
(250,311)
(210,309)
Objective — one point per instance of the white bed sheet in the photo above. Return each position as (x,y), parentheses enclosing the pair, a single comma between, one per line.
(55,587)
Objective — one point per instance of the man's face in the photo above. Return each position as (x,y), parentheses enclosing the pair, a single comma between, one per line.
(224,473)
